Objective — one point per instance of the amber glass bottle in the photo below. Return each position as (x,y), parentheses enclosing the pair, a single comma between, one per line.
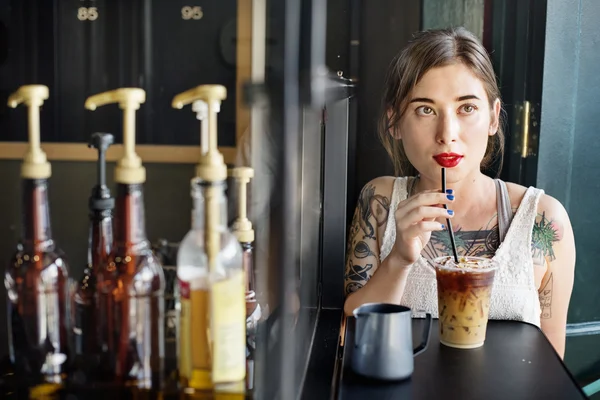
(36,283)
(131,290)
(36,277)
(130,286)
(101,205)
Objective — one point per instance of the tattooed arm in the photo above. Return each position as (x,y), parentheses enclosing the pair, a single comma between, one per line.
(362,254)
(553,246)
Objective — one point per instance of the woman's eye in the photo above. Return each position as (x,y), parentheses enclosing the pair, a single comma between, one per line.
(425,110)
(468,108)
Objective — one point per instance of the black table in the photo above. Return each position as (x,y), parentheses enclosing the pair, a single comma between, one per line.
(516,362)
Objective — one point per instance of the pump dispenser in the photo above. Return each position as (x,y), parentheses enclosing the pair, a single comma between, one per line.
(35,164)
(130,285)
(211,166)
(242,229)
(36,277)
(209,269)
(129,169)
(100,205)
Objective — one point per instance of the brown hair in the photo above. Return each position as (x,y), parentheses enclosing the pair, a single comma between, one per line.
(431,49)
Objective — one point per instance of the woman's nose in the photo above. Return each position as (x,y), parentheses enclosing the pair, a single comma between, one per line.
(448,129)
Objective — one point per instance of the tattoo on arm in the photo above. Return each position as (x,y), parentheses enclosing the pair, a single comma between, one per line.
(362,250)
(356,277)
(546,299)
(354,229)
(362,235)
(371,204)
(545,233)
(357,253)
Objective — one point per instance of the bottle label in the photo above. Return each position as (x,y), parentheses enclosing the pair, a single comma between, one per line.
(184,290)
(228,313)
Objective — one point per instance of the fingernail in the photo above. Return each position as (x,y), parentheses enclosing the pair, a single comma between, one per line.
(443,226)
(449,191)
(450,196)
(450,212)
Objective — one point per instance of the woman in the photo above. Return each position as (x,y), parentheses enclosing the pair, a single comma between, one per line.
(442,108)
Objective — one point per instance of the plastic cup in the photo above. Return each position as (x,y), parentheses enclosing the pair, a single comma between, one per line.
(464,293)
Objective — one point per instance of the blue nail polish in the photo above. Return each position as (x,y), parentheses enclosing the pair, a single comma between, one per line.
(449,191)
(450,212)
(450,196)
(443,226)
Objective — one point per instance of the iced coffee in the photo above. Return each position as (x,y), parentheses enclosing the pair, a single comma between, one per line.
(464,292)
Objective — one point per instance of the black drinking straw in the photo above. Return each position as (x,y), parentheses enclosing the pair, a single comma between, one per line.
(450,230)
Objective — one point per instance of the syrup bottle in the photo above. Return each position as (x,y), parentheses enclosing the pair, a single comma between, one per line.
(36,279)
(130,286)
(242,229)
(100,239)
(209,269)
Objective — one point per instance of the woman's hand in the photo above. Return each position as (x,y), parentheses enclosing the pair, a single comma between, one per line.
(415,220)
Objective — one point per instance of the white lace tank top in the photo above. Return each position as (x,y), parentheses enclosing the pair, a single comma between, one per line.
(514,295)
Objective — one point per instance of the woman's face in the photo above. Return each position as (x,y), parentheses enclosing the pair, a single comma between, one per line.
(448,122)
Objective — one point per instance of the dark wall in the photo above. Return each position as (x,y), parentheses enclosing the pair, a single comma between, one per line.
(385,28)
(138,43)
(568,166)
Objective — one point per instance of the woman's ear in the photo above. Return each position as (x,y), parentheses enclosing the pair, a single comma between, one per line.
(495,120)
(393,130)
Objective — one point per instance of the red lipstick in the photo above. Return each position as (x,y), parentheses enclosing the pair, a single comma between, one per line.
(448,160)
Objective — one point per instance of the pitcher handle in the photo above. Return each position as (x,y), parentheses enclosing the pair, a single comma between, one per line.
(425,338)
